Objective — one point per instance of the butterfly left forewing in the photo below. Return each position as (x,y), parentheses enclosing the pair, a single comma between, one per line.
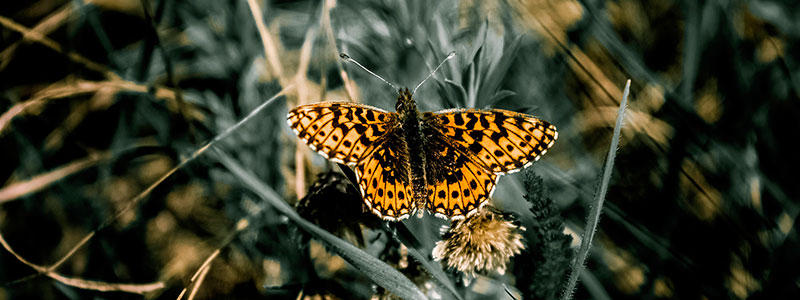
(341,131)
(501,141)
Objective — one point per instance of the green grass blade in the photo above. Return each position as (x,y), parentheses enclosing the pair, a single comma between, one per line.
(404,235)
(599,197)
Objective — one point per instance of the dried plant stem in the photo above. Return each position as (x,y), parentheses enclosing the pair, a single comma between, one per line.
(199,283)
(201,274)
(38,37)
(325,22)
(49,24)
(270,50)
(135,200)
(302,98)
(83,283)
(599,198)
(42,181)
(80,87)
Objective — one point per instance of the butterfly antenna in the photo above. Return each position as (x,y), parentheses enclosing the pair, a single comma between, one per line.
(347,58)
(449,56)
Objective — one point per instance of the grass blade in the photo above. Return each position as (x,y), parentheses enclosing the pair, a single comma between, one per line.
(375,269)
(404,236)
(599,197)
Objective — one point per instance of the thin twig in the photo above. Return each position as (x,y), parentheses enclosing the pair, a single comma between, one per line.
(302,98)
(242,224)
(106,286)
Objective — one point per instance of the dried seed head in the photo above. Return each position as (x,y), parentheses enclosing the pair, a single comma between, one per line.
(335,205)
(480,244)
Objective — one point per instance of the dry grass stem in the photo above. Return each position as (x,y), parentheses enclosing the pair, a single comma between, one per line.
(199,275)
(64,89)
(42,181)
(46,26)
(38,37)
(326,25)
(82,283)
(135,200)
(270,50)
(302,98)
(106,286)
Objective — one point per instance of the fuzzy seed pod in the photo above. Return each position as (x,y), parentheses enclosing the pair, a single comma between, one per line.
(480,244)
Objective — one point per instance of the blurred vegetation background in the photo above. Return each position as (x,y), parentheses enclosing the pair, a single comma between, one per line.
(108,193)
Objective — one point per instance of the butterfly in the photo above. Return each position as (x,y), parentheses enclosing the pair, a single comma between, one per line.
(447,162)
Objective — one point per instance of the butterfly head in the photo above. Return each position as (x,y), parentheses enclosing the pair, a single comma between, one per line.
(405,102)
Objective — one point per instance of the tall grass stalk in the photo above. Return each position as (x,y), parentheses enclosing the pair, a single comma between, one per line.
(599,198)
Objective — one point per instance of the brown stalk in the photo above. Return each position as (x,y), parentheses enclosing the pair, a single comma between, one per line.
(38,37)
(42,181)
(199,275)
(270,50)
(83,283)
(135,200)
(326,25)
(63,90)
(46,26)
(302,96)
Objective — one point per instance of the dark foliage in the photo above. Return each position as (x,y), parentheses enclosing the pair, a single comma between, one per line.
(542,270)
(100,101)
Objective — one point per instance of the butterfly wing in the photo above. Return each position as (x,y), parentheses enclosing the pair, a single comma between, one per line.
(384,179)
(364,136)
(343,132)
(502,141)
(457,186)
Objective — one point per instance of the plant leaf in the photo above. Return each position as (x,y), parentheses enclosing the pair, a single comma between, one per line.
(407,238)
(599,197)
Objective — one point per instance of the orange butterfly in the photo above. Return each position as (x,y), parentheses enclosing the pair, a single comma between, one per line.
(447,161)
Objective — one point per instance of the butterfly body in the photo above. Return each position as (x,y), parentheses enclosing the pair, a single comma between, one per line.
(411,125)
(446,162)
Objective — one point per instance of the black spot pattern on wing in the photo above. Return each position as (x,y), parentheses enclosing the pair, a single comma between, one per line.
(384,179)
(499,140)
(341,131)
(457,186)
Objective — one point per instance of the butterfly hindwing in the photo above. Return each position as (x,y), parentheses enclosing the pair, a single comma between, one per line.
(384,179)
(341,131)
(457,186)
(501,141)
